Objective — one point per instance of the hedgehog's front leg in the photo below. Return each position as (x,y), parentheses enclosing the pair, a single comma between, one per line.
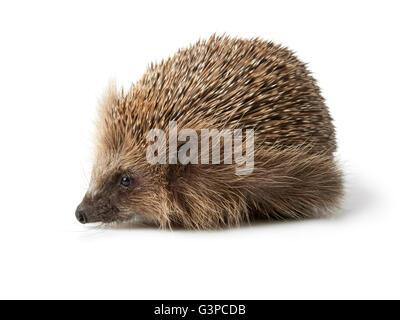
(206,197)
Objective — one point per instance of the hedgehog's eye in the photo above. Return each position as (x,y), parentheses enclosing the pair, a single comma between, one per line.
(125,181)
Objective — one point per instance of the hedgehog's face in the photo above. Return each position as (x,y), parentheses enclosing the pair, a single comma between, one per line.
(119,194)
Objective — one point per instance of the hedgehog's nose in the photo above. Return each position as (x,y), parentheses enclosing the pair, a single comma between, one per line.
(81,215)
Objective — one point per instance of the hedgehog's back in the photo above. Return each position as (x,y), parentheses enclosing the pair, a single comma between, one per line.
(235,83)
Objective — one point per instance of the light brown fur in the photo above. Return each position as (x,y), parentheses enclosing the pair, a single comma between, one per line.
(218,83)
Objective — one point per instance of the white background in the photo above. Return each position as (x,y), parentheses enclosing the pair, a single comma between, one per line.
(56,57)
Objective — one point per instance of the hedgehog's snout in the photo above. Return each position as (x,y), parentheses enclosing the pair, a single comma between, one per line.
(80,214)
(95,209)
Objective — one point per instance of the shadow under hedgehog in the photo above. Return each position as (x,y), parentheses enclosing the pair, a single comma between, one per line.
(221,83)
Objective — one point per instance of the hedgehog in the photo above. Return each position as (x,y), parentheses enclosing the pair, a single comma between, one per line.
(221,83)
